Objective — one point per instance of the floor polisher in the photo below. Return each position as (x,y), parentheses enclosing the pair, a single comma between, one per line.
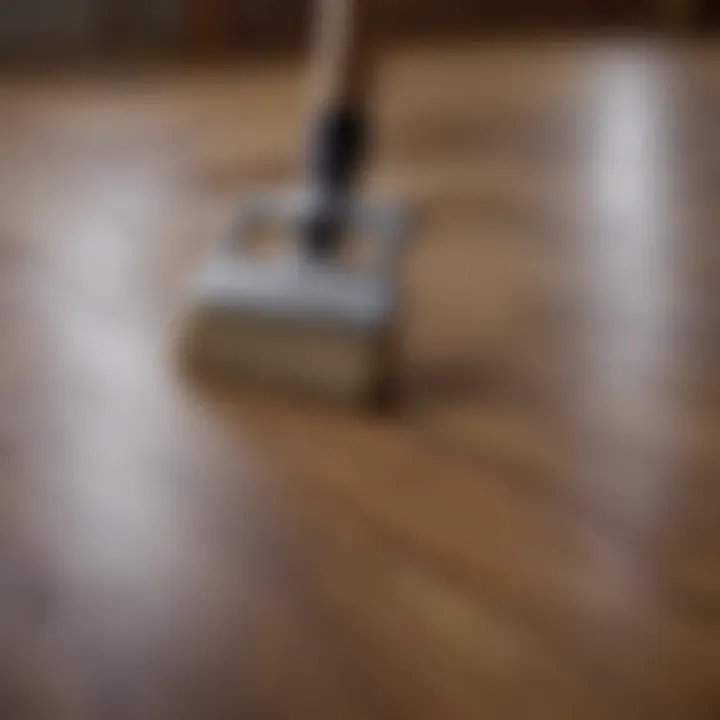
(323,314)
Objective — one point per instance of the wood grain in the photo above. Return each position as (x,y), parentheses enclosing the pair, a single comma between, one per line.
(535,535)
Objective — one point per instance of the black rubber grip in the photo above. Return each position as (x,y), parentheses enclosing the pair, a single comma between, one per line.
(337,149)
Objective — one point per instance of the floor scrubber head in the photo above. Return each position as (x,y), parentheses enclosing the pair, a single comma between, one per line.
(326,327)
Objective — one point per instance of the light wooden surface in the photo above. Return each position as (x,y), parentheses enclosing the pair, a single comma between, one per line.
(535,537)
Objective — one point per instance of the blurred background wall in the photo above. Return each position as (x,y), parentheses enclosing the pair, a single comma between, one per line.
(96,26)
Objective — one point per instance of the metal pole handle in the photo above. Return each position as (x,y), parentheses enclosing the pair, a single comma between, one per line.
(344,36)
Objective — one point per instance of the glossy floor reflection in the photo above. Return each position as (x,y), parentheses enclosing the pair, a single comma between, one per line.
(535,536)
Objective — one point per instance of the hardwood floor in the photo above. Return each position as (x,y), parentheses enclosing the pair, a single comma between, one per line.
(535,536)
